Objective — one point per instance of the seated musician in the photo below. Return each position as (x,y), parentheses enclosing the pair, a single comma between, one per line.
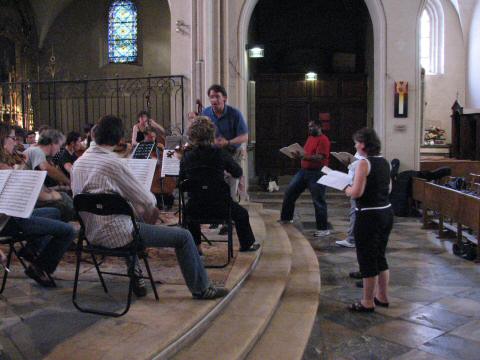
(49,144)
(67,155)
(31,138)
(203,153)
(99,170)
(144,122)
(43,225)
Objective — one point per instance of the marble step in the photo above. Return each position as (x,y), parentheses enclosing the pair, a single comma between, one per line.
(235,331)
(288,332)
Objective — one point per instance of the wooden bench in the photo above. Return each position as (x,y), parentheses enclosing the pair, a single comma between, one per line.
(462,209)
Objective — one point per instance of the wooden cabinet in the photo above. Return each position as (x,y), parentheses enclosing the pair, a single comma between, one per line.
(465,133)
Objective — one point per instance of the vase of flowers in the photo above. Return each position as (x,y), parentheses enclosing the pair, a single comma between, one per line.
(434,136)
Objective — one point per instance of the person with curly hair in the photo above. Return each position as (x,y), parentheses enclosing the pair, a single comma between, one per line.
(215,161)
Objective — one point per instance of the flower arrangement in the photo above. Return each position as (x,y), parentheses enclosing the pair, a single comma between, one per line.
(434,135)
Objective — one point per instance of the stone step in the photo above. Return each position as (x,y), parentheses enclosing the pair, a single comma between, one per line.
(151,329)
(288,332)
(235,331)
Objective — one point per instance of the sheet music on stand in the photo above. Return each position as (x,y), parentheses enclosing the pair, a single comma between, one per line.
(143,150)
(143,170)
(170,163)
(171,142)
(19,190)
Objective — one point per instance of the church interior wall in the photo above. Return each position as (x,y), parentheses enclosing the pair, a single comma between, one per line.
(402,135)
(78,37)
(441,90)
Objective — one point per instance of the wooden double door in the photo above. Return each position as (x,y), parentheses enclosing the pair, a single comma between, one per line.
(284,103)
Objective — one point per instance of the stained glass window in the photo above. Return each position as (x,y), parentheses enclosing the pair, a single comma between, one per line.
(122,32)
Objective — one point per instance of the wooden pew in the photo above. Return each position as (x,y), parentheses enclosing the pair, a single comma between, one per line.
(461,208)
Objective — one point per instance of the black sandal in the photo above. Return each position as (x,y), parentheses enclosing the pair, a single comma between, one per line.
(379,303)
(358,307)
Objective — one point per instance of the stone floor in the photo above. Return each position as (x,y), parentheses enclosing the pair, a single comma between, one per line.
(434,296)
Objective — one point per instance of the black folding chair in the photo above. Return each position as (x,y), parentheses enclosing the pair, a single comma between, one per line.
(12,241)
(207,189)
(104,205)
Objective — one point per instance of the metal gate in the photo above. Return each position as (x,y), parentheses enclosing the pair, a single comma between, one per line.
(69,104)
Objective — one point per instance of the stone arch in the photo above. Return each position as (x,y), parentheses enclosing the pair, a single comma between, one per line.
(377,15)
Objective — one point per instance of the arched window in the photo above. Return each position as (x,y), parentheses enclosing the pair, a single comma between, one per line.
(122,32)
(431,37)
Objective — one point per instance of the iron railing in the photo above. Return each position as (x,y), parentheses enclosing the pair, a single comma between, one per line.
(69,104)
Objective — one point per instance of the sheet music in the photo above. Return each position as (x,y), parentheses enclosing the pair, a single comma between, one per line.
(4,174)
(20,192)
(335,179)
(170,163)
(143,170)
(143,150)
(290,150)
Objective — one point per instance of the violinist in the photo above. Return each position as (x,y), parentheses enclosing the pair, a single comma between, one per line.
(68,155)
(139,128)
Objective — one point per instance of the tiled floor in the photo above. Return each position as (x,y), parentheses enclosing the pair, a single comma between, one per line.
(434,295)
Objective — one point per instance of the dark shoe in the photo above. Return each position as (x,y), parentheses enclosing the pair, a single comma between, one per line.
(359,284)
(253,247)
(212,292)
(39,276)
(284,222)
(26,254)
(379,303)
(358,307)
(223,230)
(139,288)
(355,275)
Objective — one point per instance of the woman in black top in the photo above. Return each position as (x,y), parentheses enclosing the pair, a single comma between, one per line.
(374,220)
(206,161)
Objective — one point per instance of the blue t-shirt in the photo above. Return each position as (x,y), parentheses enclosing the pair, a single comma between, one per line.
(230,125)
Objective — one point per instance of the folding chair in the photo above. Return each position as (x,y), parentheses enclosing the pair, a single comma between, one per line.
(206,188)
(103,205)
(11,241)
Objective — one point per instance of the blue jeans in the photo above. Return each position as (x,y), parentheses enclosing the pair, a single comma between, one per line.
(44,225)
(351,225)
(190,263)
(303,179)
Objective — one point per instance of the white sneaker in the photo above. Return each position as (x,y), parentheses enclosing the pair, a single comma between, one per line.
(321,233)
(345,243)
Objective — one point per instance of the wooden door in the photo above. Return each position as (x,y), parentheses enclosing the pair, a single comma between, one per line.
(286,102)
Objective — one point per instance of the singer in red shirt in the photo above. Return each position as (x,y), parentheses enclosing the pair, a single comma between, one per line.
(317,154)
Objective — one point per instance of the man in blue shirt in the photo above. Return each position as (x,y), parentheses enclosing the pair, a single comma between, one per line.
(232,130)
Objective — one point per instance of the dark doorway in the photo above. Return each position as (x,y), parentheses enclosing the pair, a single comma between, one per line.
(332,38)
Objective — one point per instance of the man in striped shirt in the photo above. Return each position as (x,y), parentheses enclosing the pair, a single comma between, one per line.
(99,170)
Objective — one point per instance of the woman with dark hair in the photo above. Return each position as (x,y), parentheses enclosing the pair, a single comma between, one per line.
(374,220)
(144,122)
(204,154)
(44,224)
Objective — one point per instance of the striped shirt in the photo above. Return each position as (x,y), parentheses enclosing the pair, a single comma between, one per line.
(100,170)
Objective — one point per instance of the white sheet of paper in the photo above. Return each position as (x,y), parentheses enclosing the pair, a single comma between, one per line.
(143,170)
(170,163)
(20,192)
(335,179)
